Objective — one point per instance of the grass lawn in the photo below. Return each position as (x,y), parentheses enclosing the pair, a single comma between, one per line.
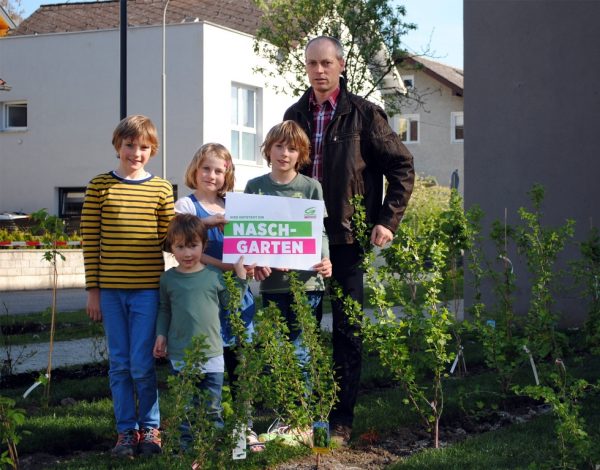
(81,434)
(35,327)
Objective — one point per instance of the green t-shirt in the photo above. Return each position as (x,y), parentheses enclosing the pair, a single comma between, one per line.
(189,306)
(301,187)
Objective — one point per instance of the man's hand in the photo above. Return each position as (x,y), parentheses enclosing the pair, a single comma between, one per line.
(93,305)
(160,347)
(380,236)
(324,268)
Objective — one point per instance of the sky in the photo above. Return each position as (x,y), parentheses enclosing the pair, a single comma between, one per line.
(439,27)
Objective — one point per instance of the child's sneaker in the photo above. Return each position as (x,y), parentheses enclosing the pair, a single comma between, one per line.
(127,443)
(150,442)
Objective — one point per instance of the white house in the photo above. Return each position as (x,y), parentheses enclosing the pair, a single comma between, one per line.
(62,64)
(431,124)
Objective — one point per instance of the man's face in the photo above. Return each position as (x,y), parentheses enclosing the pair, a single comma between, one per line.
(323,67)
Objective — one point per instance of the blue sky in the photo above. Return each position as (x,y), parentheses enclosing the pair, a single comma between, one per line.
(439,27)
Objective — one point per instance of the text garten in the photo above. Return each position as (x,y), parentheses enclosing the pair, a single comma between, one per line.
(269,246)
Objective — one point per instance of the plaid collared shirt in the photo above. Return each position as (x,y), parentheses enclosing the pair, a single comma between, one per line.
(322,115)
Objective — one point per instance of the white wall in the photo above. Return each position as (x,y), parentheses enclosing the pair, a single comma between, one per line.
(71,84)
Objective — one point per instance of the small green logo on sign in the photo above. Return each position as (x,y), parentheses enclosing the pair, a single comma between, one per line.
(310,213)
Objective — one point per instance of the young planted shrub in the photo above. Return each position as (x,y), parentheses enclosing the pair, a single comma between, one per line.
(52,229)
(541,247)
(587,273)
(269,371)
(564,394)
(414,342)
(11,419)
(498,328)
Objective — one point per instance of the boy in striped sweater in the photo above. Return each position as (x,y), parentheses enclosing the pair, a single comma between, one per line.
(124,221)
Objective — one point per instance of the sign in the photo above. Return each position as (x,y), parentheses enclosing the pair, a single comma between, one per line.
(274,231)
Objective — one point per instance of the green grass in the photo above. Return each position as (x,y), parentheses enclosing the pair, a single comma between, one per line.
(530,445)
(88,425)
(35,327)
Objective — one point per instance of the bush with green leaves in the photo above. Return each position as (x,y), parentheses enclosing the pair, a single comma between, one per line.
(498,328)
(191,404)
(11,419)
(414,343)
(299,396)
(564,394)
(587,273)
(52,228)
(541,247)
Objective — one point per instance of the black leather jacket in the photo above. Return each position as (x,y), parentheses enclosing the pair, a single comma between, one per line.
(359,148)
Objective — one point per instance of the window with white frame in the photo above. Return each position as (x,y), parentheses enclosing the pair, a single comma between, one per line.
(409,81)
(244,135)
(14,116)
(457,127)
(408,128)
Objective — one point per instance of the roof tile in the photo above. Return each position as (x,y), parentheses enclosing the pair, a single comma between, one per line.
(240,15)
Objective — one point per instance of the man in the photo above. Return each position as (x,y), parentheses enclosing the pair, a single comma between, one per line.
(352,148)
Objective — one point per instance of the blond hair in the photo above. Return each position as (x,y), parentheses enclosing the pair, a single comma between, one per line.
(288,132)
(203,152)
(136,126)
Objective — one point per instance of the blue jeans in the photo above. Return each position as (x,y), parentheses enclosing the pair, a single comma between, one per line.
(129,317)
(284,302)
(212,386)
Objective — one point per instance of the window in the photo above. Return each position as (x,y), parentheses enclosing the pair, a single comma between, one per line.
(408,128)
(70,202)
(15,116)
(457,127)
(243,123)
(409,81)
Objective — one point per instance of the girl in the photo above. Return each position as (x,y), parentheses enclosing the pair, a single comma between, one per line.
(211,174)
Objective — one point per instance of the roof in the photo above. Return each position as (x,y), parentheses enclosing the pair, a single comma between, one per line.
(4,86)
(240,15)
(448,75)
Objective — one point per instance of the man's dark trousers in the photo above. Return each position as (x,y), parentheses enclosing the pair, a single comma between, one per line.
(347,345)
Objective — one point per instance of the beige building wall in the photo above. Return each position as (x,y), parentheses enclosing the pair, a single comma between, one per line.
(435,153)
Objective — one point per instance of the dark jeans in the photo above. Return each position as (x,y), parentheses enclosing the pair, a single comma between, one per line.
(347,345)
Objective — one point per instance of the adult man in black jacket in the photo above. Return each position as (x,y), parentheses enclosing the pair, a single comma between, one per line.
(352,149)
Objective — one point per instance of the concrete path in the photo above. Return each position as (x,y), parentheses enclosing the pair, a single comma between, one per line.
(34,357)
(34,301)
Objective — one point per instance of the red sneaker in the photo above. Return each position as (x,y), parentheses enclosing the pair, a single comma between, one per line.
(127,443)
(150,442)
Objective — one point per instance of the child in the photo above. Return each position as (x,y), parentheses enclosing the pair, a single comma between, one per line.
(124,221)
(191,296)
(286,149)
(211,174)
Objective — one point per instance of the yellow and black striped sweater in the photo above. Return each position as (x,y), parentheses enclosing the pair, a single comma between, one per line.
(123,225)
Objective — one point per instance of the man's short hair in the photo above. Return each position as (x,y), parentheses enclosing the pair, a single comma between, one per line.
(339,49)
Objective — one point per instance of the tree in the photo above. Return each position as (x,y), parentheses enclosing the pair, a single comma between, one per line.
(14,9)
(370,31)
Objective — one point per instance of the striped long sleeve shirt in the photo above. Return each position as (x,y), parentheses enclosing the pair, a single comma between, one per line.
(123,225)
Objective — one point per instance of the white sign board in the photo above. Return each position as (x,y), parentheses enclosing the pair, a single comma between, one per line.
(274,231)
